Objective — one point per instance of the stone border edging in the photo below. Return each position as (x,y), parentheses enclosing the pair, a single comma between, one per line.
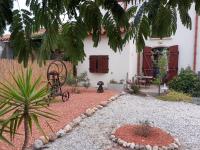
(42,141)
(173,146)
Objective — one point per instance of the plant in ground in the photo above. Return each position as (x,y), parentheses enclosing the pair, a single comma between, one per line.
(162,65)
(82,79)
(70,80)
(185,82)
(196,89)
(144,129)
(134,89)
(22,103)
(175,96)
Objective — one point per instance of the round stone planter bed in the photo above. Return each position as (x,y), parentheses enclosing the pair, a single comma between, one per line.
(127,136)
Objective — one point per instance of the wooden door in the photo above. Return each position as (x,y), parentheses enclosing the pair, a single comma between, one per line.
(147,62)
(173,62)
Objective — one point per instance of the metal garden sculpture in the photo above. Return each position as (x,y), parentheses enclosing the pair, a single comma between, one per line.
(56,76)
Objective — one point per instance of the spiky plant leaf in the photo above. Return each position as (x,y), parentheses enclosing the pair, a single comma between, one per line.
(23,102)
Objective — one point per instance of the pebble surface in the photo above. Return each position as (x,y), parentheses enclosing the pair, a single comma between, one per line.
(181,119)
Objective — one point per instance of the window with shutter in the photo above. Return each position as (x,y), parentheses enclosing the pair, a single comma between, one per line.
(173,62)
(98,64)
(147,61)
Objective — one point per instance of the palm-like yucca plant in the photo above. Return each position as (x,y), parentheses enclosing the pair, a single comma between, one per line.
(23,103)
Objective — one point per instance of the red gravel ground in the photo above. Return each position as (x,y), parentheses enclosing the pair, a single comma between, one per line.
(76,105)
(157,136)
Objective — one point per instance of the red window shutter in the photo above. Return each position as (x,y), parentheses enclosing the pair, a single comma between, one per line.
(147,62)
(173,62)
(103,64)
(98,64)
(93,64)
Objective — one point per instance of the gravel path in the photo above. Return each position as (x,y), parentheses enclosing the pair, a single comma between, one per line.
(181,119)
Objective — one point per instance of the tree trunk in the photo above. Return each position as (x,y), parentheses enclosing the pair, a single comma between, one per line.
(26,129)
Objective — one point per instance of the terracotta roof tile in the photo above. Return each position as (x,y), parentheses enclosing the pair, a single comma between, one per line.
(6,37)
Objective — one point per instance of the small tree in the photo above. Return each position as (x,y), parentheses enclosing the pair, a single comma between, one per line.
(23,103)
(162,66)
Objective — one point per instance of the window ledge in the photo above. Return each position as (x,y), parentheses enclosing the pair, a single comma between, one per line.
(165,38)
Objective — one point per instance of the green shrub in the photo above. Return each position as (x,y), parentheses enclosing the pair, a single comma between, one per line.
(184,82)
(175,96)
(81,80)
(144,129)
(196,90)
(71,80)
(134,89)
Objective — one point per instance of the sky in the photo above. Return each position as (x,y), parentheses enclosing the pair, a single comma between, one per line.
(16,6)
(21,4)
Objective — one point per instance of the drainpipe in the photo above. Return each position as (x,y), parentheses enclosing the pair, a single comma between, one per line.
(138,63)
(195,42)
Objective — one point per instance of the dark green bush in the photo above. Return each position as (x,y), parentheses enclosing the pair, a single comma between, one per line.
(196,90)
(134,89)
(184,82)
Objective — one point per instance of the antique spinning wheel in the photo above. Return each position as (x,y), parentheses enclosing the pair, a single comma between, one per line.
(56,76)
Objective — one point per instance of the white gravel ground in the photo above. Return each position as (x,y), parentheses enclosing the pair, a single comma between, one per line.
(181,119)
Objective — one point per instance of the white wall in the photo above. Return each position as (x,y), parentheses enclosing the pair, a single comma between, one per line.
(119,64)
(1,47)
(184,38)
(133,60)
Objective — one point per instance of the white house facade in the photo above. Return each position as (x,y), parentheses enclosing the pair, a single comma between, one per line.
(103,64)
(183,47)
(120,64)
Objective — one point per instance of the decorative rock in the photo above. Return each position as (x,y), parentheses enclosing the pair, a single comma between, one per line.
(67,128)
(60,133)
(83,116)
(125,144)
(110,100)
(160,148)
(112,137)
(137,147)
(164,147)
(155,147)
(177,141)
(142,147)
(120,142)
(132,146)
(89,112)
(148,147)
(99,106)
(76,121)
(175,146)
(38,144)
(52,137)
(122,93)
(104,103)
(128,144)
(44,139)
(95,108)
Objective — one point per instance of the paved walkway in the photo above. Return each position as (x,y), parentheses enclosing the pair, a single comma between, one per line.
(181,119)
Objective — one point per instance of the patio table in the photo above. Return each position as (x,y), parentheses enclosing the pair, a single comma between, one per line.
(143,80)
